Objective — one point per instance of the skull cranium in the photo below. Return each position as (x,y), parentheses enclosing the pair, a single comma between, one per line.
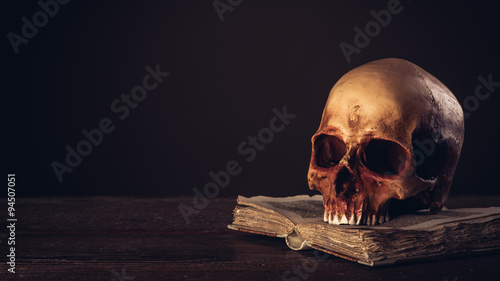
(389,130)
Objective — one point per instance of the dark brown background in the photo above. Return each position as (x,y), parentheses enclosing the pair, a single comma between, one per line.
(225,79)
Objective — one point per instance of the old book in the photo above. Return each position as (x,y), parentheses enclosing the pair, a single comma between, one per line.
(405,238)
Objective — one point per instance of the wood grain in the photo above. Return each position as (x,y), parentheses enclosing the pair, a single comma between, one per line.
(106,238)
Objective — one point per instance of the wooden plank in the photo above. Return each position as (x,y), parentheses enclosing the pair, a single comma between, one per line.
(105,238)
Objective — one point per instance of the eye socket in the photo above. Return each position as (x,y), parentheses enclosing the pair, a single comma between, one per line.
(430,157)
(384,157)
(328,150)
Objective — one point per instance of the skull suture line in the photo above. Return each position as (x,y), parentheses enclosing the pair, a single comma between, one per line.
(390,130)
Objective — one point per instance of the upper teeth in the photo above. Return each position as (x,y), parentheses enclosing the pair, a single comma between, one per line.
(339,219)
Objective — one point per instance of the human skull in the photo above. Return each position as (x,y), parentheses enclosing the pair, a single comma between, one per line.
(389,130)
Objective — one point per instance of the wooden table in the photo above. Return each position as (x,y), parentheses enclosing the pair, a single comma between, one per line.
(111,238)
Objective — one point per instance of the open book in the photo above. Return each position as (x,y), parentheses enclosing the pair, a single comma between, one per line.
(406,238)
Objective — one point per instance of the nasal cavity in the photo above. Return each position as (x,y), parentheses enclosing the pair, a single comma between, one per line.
(344,180)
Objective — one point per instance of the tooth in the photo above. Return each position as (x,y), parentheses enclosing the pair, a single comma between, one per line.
(381,219)
(330,218)
(361,207)
(358,222)
(374,219)
(336,220)
(325,217)
(344,220)
(352,220)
